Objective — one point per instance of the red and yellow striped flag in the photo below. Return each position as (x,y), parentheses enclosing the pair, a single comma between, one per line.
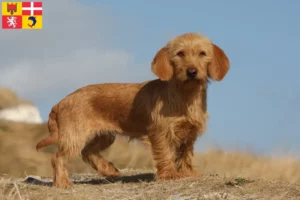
(22,15)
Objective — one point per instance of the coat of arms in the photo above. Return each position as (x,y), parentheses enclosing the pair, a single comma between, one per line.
(11,8)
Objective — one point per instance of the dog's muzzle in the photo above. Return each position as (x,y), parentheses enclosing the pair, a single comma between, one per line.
(191,73)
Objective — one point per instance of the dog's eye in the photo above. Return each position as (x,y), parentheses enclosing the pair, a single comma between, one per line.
(180,53)
(202,53)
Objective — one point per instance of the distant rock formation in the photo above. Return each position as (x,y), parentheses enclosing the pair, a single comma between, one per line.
(15,109)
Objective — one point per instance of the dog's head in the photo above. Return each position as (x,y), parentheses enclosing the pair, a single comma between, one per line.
(190,57)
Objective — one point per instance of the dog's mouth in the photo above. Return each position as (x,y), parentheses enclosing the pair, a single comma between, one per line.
(193,80)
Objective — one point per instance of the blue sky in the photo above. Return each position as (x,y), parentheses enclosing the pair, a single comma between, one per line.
(256,106)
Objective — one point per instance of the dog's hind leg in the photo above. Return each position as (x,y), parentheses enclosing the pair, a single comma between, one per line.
(69,146)
(91,154)
(60,173)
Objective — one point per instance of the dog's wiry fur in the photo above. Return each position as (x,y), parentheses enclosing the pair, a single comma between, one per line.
(170,112)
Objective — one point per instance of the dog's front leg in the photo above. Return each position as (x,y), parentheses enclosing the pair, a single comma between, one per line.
(164,154)
(183,160)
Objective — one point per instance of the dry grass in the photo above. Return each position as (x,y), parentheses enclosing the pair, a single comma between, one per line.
(273,178)
(140,185)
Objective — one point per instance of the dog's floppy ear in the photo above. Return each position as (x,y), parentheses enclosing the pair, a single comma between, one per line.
(219,65)
(161,65)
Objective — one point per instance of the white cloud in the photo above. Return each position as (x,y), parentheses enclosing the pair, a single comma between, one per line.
(72,50)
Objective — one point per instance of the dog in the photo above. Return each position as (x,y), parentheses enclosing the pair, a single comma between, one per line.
(169,111)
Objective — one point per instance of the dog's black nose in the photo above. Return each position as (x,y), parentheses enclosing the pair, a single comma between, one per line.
(191,72)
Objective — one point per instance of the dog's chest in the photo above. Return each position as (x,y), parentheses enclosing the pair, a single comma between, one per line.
(181,115)
(192,120)
(195,118)
(186,129)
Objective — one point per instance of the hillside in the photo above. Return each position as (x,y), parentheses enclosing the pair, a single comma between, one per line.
(19,157)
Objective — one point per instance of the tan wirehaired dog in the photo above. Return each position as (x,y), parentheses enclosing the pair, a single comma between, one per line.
(170,111)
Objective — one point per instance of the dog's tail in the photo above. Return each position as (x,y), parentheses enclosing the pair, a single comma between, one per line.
(53,130)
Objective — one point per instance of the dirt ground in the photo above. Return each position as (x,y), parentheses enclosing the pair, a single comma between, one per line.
(137,184)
